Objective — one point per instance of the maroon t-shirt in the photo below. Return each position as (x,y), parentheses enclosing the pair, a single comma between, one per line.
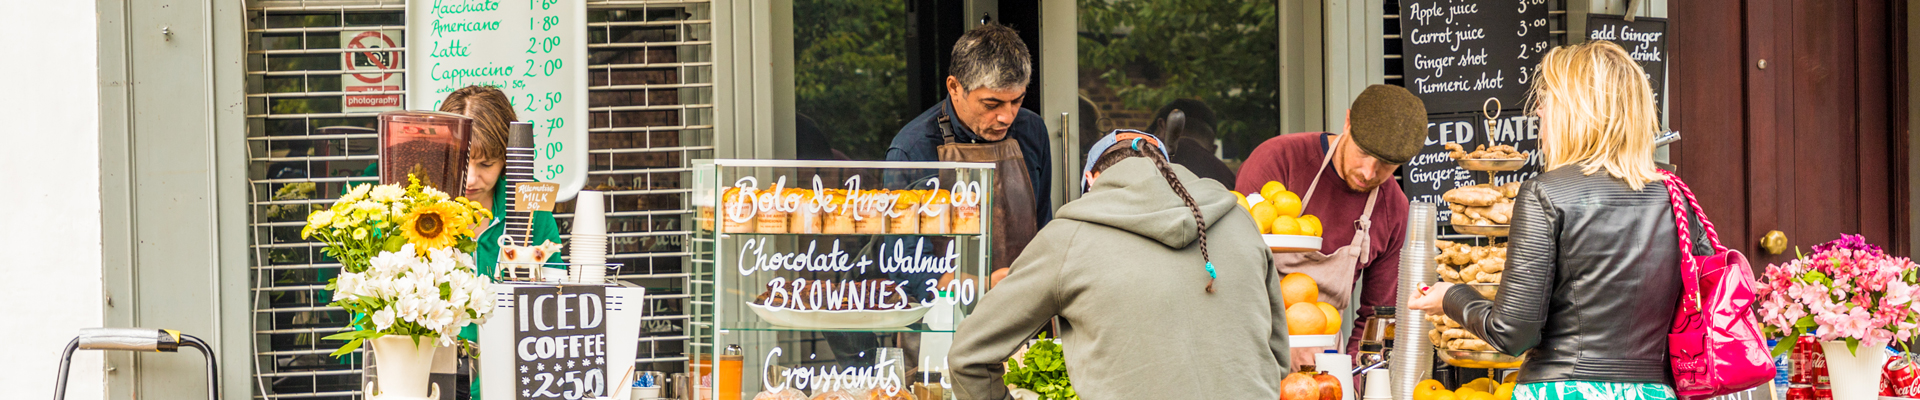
(1292,160)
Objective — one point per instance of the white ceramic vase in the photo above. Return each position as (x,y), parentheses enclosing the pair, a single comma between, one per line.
(401,368)
(1854,376)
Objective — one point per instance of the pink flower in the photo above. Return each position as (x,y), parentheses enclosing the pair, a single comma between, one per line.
(1898,293)
(1876,338)
(1854,323)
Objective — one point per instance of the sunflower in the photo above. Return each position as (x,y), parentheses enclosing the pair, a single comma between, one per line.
(434,226)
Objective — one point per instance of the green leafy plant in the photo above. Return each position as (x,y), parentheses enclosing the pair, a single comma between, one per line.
(1043,370)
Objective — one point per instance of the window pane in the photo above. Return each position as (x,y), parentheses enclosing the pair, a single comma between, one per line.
(850,77)
(1216,61)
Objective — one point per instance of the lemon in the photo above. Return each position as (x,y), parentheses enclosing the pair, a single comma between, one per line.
(1480,385)
(1243,201)
(1505,392)
(1264,214)
(1310,226)
(1287,202)
(1285,225)
(1271,188)
(1427,390)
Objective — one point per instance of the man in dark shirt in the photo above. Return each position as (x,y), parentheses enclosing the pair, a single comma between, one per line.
(987,83)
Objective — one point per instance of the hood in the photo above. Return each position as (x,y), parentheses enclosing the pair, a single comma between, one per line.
(1133,196)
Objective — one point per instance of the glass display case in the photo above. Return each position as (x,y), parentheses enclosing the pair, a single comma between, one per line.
(815,277)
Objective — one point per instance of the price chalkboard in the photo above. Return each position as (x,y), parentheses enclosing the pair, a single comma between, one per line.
(1645,40)
(533,50)
(1458,54)
(1432,173)
(560,342)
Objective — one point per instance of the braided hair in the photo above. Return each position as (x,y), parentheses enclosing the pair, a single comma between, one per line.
(1143,148)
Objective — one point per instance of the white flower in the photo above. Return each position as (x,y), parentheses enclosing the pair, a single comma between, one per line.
(347,286)
(383,319)
(388,193)
(434,194)
(391,263)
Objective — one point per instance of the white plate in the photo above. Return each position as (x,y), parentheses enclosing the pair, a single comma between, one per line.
(1291,243)
(842,319)
(1311,340)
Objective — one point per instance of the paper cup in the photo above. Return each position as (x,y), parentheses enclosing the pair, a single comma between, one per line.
(590,213)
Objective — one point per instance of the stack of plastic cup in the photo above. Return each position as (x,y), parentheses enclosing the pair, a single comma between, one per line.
(588,246)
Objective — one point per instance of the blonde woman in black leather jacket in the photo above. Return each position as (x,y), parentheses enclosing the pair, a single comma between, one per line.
(1593,266)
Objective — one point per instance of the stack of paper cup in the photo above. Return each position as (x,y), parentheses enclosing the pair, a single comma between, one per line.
(588,246)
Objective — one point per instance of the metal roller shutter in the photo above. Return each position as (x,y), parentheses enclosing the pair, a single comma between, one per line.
(651,113)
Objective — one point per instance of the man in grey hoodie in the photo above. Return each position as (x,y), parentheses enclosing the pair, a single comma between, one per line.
(1164,283)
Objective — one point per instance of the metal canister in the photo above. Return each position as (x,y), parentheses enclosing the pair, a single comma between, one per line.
(1822,392)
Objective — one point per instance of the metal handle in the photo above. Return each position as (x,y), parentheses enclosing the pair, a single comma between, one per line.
(135,339)
(1774,242)
(131,339)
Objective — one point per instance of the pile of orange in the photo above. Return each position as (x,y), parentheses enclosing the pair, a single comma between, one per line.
(1278,212)
(1306,314)
(1478,389)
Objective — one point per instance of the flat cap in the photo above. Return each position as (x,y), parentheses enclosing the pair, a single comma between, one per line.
(1389,123)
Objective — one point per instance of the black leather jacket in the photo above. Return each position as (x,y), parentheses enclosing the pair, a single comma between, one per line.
(1591,284)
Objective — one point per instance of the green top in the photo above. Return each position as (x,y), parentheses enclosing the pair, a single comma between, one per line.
(487,254)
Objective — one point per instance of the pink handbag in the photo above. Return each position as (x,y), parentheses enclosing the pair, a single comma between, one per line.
(1715,344)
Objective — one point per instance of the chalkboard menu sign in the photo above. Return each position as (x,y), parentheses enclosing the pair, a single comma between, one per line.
(1645,40)
(560,342)
(1459,53)
(1432,173)
(534,52)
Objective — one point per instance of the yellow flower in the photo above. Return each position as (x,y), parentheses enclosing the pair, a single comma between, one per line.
(433,226)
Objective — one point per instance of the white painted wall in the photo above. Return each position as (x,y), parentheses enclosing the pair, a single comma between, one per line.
(52,206)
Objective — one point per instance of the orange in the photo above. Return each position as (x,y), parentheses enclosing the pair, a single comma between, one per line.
(1305,319)
(1287,202)
(1479,395)
(1285,225)
(1264,214)
(1270,189)
(1310,226)
(1299,288)
(1333,317)
(1446,395)
(1511,378)
(1427,389)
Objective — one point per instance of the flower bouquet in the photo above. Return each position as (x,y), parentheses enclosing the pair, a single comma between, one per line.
(1851,296)
(407,274)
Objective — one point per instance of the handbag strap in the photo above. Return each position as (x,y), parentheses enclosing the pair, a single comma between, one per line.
(1681,198)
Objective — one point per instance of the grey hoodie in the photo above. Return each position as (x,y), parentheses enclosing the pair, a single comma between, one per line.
(1122,266)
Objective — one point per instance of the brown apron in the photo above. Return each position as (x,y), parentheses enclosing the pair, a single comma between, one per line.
(1012,190)
(1333,272)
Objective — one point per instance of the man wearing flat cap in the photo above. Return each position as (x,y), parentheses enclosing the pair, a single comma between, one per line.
(1346,180)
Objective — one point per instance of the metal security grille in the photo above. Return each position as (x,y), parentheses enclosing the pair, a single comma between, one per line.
(651,113)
